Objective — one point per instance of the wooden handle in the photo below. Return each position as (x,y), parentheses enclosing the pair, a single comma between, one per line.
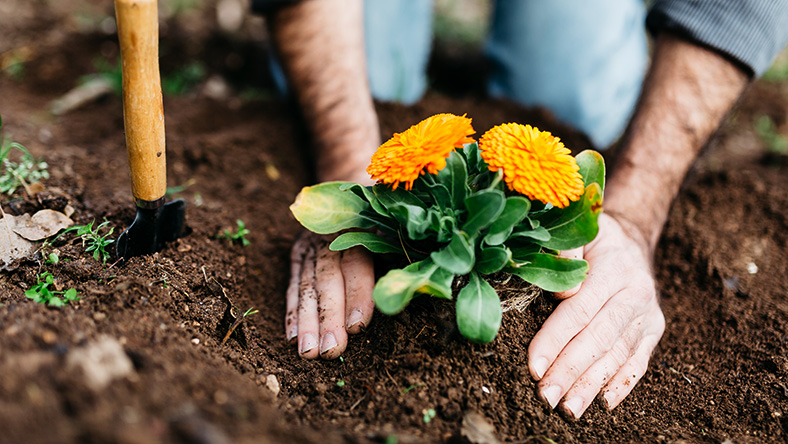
(143,111)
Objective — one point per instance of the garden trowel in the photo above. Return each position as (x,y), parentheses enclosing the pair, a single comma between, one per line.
(157,222)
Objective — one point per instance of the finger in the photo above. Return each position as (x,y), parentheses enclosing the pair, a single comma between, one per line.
(359,274)
(588,346)
(569,318)
(633,370)
(575,253)
(291,312)
(583,392)
(307,308)
(330,286)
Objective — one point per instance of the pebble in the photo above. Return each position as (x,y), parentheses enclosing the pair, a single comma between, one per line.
(196,341)
(272,384)
(101,362)
(99,316)
(49,337)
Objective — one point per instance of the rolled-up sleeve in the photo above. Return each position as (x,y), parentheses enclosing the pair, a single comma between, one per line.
(751,33)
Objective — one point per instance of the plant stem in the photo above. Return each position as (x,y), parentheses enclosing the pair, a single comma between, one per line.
(496,180)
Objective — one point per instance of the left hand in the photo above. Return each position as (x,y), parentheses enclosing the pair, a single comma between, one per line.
(600,337)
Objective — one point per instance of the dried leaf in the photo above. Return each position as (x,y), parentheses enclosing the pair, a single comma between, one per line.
(42,225)
(12,245)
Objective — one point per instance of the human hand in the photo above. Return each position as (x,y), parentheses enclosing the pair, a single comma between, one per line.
(600,337)
(329,296)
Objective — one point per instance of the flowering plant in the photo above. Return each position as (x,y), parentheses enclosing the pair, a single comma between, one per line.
(454,207)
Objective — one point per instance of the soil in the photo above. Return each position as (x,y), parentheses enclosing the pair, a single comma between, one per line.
(720,373)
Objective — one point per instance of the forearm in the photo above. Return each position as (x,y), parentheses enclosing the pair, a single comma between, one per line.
(687,93)
(321,45)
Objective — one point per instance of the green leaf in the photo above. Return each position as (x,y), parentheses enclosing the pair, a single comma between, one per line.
(537,234)
(492,259)
(575,225)
(457,257)
(366,194)
(522,249)
(71,294)
(474,160)
(478,311)
(395,290)
(592,168)
(552,273)
(455,177)
(389,197)
(514,211)
(413,218)
(325,209)
(56,302)
(484,208)
(370,241)
(440,194)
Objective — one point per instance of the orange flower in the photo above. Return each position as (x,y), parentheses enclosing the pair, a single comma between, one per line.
(423,146)
(534,163)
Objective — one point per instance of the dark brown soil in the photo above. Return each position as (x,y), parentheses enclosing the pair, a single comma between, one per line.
(720,372)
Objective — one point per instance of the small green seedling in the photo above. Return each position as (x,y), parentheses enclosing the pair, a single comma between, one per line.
(41,293)
(15,174)
(340,383)
(238,236)
(53,259)
(183,80)
(429,415)
(421,384)
(171,191)
(92,240)
(249,311)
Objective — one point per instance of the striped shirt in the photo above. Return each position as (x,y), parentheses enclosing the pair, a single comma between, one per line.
(749,32)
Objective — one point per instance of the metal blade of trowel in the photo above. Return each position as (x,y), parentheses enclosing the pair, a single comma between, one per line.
(151,229)
(143,118)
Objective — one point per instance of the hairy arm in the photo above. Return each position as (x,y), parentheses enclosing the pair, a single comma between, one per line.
(600,338)
(321,45)
(687,93)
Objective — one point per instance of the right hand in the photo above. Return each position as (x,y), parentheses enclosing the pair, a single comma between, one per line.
(329,296)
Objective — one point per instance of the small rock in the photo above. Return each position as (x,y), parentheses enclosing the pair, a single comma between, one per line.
(752,268)
(272,384)
(477,429)
(196,341)
(99,316)
(49,337)
(101,362)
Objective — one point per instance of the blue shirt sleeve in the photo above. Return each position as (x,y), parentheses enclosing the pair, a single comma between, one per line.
(750,32)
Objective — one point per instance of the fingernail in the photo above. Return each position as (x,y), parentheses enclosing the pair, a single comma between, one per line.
(327,342)
(574,406)
(552,394)
(539,367)
(308,342)
(354,318)
(292,333)
(610,399)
